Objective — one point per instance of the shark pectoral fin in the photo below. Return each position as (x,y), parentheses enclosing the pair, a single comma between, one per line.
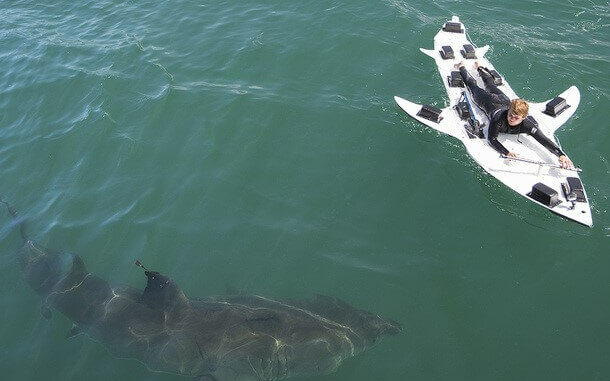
(46,312)
(74,331)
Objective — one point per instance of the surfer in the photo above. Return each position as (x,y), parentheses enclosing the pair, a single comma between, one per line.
(506,116)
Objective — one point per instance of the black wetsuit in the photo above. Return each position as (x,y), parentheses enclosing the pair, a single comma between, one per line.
(496,104)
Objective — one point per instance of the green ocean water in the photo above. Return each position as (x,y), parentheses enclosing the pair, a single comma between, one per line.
(256,145)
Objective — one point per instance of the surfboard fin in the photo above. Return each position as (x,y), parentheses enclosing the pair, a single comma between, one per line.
(551,124)
(428,52)
(444,125)
(480,52)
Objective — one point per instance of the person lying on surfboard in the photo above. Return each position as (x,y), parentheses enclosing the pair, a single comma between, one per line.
(506,116)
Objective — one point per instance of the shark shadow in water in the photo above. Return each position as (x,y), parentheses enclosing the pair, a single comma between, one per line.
(222,338)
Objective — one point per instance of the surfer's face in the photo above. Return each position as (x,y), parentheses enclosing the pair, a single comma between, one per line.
(514,119)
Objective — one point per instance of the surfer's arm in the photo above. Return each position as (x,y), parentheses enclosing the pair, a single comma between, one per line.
(564,161)
(498,146)
(492,137)
(542,139)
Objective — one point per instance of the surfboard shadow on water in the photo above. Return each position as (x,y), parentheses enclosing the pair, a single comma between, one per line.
(221,338)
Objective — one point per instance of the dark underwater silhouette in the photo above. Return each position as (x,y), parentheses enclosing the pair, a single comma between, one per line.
(221,338)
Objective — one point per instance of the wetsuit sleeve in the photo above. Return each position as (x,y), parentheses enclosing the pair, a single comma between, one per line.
(534,131)
(468,79)
(492,135)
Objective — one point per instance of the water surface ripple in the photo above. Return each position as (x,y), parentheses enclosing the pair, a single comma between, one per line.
(255,145)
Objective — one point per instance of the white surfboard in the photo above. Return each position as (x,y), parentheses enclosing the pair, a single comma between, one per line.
(536,165)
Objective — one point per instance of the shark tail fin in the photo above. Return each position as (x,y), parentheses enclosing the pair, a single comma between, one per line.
(14,214)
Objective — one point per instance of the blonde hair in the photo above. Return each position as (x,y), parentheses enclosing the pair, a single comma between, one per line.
(519,107)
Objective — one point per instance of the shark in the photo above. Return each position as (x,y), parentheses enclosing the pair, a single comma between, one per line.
(235,337)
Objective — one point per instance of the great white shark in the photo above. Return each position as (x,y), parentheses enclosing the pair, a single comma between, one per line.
(221,338)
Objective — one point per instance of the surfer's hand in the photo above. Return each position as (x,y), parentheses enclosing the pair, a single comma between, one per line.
(565,162)
(511,154)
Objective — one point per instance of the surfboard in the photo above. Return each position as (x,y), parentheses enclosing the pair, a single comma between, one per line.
(535,173)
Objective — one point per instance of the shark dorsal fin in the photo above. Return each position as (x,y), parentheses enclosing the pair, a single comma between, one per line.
(162,292)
